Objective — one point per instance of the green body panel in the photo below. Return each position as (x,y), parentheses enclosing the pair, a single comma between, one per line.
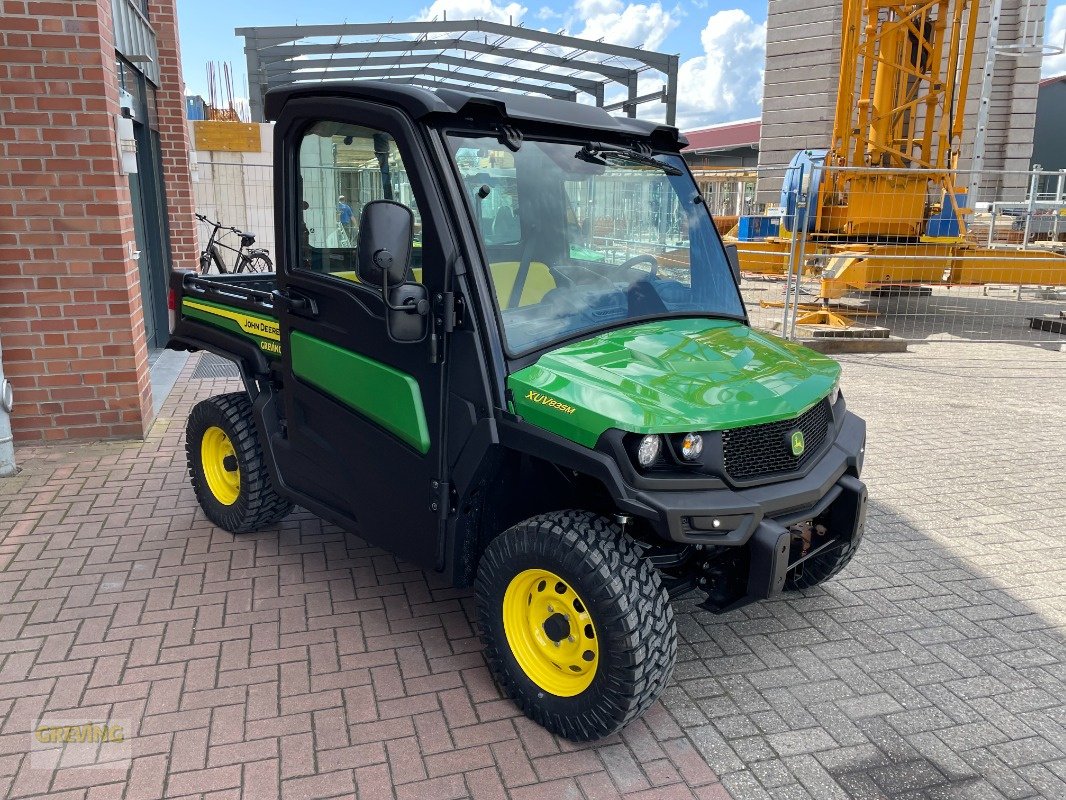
(670,376)
(385,395)
(261,329)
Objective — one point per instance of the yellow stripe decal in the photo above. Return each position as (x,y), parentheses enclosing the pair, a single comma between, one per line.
(253,325)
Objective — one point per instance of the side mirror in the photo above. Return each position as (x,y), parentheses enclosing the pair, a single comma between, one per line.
(386,236)
(734,260)
(407,313)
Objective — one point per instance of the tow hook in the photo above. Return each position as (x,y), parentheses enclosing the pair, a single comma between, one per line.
(805,531)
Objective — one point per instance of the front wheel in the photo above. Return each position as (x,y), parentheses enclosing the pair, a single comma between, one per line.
(820,568)
(577,626)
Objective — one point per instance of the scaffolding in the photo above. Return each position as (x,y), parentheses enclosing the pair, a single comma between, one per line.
(464,53)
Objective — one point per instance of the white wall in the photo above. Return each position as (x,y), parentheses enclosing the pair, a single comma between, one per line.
(238,189)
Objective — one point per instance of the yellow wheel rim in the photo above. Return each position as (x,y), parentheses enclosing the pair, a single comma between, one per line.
(219,461)
(550,632)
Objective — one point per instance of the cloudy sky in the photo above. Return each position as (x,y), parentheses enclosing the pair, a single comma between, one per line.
(721,42)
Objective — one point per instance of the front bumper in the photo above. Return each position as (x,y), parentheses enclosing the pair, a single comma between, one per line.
(688,517)
(771,550)
(753,527)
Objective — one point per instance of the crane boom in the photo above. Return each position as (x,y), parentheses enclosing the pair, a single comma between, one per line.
(880,206)
(901,105)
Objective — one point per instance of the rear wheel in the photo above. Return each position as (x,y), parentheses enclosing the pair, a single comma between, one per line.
(260,262)
(227,466)
(576,624)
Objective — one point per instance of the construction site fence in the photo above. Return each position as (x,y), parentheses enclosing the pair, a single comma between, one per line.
(239,195)
(906,254)
(1000,276)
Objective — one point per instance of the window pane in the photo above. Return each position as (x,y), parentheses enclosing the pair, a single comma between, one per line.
(595,242)
(342,168)
(489,176)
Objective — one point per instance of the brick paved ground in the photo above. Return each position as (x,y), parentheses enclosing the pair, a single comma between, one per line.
(295,662)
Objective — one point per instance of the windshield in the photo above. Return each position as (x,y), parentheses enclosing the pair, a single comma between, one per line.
(578,241)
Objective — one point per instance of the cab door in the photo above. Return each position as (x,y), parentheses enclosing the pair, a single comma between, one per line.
(363,413)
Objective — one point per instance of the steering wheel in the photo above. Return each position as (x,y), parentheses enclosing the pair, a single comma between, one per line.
(644,258)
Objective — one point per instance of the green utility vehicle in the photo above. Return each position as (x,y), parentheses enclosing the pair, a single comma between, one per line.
(524,364)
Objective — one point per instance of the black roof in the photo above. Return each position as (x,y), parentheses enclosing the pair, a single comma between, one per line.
(420,102)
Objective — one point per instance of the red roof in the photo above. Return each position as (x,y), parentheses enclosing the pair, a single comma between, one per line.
(725,136)
(1052,79)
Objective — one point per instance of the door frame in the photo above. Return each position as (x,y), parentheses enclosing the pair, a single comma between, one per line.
(296,118)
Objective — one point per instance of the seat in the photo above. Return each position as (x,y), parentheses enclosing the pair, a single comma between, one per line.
(539,281)
(351,275)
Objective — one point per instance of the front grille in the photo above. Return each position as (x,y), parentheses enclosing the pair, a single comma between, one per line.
(763,450)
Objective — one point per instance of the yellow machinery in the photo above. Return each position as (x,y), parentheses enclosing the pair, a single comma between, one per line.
(883,204)
(899,106)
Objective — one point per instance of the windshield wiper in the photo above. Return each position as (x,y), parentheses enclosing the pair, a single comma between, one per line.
(596,153)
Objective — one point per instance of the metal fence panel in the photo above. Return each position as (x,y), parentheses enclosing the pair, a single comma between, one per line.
(1000,276)
(986,282)
(240,196)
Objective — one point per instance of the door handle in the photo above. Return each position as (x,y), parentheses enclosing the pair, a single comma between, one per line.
(294,304)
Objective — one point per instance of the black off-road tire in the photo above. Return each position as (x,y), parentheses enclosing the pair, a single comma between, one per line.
(820,568)
(631,610)
(258,503)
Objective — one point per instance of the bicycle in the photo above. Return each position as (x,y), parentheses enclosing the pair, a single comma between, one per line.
(256,259)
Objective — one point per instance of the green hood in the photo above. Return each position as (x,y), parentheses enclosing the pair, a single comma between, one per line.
(670,376)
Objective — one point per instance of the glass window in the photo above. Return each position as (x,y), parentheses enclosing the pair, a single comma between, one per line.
(600,237)
(489,176)
(342,168)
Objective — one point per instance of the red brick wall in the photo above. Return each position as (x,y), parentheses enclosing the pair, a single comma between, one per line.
(174,137)
(70,305)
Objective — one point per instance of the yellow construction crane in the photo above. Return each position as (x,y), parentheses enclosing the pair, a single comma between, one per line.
(904,69)
(883,205)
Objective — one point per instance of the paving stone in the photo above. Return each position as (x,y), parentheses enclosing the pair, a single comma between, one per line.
(300,661)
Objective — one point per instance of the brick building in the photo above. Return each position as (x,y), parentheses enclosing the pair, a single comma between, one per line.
(95,206)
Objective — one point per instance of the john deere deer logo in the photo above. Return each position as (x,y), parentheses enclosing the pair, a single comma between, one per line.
(799,444)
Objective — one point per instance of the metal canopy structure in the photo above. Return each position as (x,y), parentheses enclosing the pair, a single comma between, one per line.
(464,53)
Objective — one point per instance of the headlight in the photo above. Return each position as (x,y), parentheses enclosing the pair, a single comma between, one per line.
(691,446)
(834,393)
(648,450)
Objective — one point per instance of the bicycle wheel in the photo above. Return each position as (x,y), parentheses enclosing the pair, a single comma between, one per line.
(260,262)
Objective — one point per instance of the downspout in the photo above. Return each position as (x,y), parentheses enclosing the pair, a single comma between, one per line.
(7,444)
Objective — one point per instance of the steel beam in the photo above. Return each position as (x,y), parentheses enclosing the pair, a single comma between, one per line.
(281,55)
(633,102)
(432,84)
(671,90)
(446,76)
(298,68)
(660,61)
(282,51)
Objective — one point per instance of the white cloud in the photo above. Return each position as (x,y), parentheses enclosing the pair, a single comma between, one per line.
(1056,34)
(724,83)
(547,13)
(474,9)
(627,24)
